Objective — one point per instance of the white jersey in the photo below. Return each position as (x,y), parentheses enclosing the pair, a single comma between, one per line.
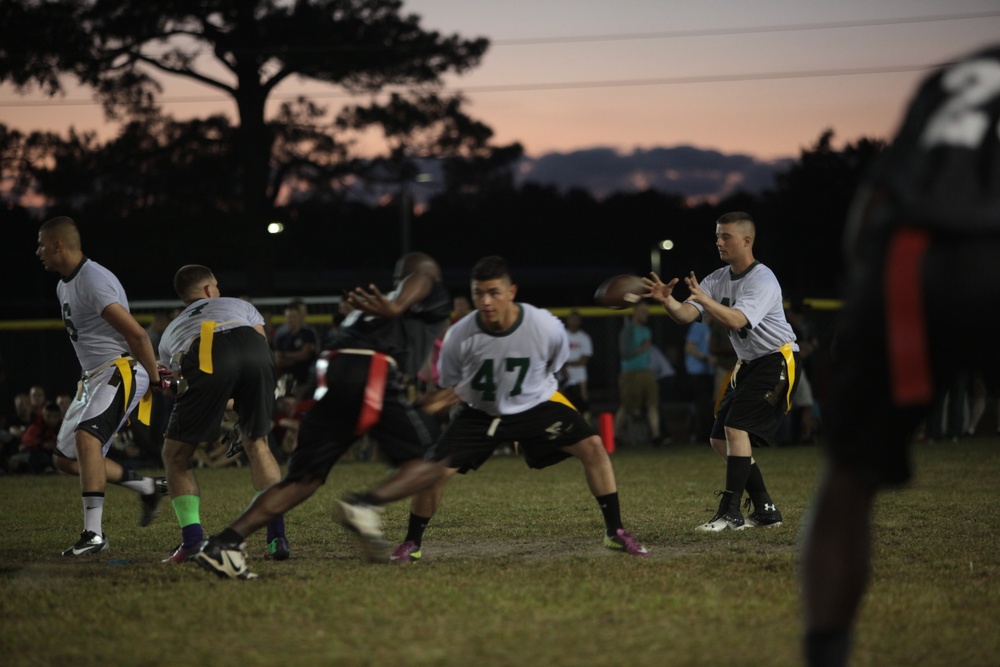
(225,312)
(509,372)
(580,345)
(83,296)
(757,294)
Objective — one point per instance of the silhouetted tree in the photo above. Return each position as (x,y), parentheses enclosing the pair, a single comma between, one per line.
(808,210)
(245,49)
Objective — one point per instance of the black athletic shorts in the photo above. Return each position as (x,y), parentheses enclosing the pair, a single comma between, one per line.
(364,394)
(540,433)
(759,400)
(243,369)
(868,426)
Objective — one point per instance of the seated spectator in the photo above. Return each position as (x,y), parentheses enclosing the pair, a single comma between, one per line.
(63,401)
(38,399)
(38,443)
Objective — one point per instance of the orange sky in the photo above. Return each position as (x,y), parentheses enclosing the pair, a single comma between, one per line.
(764,77)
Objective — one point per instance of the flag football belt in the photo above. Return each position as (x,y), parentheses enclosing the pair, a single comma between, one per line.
(905,320)
(378,372)
(125,364)
(789,356)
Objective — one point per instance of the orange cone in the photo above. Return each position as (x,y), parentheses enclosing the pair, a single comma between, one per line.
(606,424)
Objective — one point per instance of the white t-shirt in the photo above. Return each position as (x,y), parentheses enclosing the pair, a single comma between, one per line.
(83,296)
(757,294)
(226,312)
(580,345)
(509,372)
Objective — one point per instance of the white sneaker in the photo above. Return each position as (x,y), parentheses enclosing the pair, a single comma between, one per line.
(725,518)
(89,543)
(224,560)
(366,522)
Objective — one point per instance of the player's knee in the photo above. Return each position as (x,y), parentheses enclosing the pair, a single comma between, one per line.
(177,455)
(63,464)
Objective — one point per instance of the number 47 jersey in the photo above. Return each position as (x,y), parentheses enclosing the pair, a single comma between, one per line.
(507,372)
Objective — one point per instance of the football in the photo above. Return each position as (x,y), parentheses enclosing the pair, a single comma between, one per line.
(621,291)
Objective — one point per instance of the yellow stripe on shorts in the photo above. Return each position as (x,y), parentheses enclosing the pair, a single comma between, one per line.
(146,403)
(559,398)
(789,355)
(146,407)
(205,347)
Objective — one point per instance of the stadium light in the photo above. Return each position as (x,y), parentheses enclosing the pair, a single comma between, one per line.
(654,254)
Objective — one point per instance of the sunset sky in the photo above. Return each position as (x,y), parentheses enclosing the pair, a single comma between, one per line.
(763,77)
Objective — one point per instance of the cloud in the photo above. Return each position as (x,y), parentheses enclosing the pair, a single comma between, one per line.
(693,173)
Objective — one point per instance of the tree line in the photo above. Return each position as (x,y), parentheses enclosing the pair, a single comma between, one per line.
(165,191)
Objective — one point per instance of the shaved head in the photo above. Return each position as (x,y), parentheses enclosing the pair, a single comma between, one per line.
(189,281)
(59,245)
(742,220)
(62,229)
(417,262)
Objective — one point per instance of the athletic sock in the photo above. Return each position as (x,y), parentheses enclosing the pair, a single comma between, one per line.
(612,512)
(93,511)
(187,508)
(276,528)
(827,648)
(133,481)
(737,472)
(415,529)
(756,488)
(192,534)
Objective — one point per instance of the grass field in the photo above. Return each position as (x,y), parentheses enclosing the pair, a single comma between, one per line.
(513,574)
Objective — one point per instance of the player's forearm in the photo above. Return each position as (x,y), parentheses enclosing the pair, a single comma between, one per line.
(680,312)
(142,349)
(730,318)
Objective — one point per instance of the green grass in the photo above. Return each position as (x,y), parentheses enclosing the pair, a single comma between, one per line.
(513,574)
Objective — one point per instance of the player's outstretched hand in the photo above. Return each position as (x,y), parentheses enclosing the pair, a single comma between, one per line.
(695,287)
(371,301)
(657,289)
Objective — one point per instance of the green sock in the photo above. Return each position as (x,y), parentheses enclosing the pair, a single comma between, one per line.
(187,509)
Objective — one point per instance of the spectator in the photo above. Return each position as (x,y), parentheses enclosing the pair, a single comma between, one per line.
(24,415)
(581,349)
(699,363)
(22,418)
(38,443)
(295,349)
(637,386)
(804,422)
(63,401)
(36,395)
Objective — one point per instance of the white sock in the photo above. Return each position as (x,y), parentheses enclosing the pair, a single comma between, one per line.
(142,485)
(93,512)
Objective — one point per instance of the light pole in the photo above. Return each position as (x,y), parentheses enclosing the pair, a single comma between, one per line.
(654,254)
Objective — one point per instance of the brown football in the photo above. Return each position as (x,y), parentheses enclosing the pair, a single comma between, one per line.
(621,291)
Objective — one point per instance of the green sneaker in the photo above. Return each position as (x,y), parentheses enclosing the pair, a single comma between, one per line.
(624,541)
(407,552)
(277,549)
